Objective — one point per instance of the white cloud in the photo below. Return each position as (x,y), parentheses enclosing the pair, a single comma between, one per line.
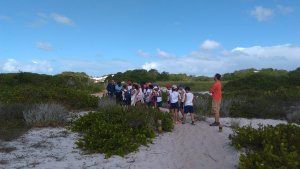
(163,54)
(44,46)
(284,9)
(201,63)
(39,66)
(151,65)
(140,52)
(61,19)
(10,65)
(43,19)
(210,44)
(261,13)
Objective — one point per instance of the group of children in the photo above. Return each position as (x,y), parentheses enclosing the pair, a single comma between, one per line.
(180,99)
(132,94)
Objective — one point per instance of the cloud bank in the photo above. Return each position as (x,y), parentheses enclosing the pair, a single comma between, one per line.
(37,66)
(201,62)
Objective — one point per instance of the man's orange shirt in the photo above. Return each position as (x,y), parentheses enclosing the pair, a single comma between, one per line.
(216,91)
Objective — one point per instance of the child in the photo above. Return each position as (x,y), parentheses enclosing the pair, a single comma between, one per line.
(182,99)
(188,105)
(174,98)
(159,98)
(169,91)
(148,94)
(126,96)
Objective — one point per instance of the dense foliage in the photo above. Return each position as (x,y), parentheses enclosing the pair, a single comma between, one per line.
(117,130)
(141,76)
(71,89)
(268,147)
(266,94)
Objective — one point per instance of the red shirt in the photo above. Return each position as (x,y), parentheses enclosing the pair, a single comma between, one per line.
(216,91)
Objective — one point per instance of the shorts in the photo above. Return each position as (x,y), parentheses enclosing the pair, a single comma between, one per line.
(188,109)
(181,105)
(174,105)
(216,106)
(159,104)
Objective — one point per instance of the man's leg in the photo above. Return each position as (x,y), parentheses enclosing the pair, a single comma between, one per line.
(215,111)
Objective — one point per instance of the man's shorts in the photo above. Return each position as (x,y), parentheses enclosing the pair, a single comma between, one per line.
(174,105)
(216,106)
(188,109)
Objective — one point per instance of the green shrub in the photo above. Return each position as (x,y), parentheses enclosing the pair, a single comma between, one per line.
(268,147)
(71,89)
(117,130)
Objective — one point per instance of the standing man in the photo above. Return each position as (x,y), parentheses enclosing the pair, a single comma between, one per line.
(111,88)
(216,91)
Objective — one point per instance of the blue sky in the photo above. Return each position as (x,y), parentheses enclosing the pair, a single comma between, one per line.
(199,37)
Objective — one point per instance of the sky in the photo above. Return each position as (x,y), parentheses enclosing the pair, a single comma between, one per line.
(196,37)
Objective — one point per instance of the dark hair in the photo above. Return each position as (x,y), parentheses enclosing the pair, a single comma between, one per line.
(218,76)
(187,88)
(136,86)
(124,86)
(150,86)
(119,83)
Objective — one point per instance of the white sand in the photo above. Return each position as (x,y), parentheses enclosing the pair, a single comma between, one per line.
(187,147)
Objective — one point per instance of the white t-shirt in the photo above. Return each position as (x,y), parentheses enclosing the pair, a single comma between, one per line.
(189,99)
(174,97)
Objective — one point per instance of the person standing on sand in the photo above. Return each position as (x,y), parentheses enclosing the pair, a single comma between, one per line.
(174,98)
(216,91)
(188,105)
(111,89)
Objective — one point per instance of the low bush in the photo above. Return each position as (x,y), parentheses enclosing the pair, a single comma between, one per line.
(50,114)
(268,147)
(12,123)
(116,130)
(106,101)
(202,104)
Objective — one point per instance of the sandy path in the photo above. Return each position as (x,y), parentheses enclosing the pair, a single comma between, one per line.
(190,147)
(187,147)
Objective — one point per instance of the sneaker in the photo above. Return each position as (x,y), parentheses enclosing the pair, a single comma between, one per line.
(183,122)
(193,123)
(215,124)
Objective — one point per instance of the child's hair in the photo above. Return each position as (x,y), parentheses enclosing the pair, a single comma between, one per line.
(136,86)
(187,88)
(124,86)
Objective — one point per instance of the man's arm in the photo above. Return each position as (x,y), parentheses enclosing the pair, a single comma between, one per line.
(212,89)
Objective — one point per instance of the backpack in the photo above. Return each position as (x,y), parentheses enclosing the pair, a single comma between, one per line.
(128,95)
